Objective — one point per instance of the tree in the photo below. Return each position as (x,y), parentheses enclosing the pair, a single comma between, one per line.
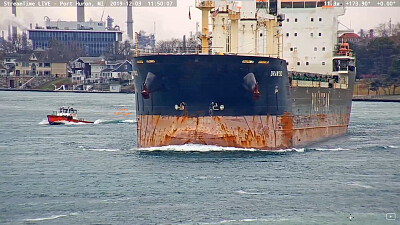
(172,46)
(381,50)
(375,86)
(381,30)
(396,30)
(394,73)
(18,44)
(124,49)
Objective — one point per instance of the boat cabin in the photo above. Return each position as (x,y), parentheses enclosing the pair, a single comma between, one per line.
(66,111)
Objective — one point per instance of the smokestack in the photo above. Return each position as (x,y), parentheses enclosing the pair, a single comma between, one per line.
(109,23)
(9,33)
(129,20)
(184,43)
(14,28)
(24,40)
(80,10)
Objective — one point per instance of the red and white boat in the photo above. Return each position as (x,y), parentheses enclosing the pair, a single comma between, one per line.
(65,115)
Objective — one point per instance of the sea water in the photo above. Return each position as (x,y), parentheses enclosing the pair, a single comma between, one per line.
(95,174)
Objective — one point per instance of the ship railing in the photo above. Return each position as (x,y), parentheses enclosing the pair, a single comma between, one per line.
(300,79)
(205,3)
(199,53)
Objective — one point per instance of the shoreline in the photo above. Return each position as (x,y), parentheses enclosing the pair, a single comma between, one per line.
(64,91)
(356,98)
(379,98)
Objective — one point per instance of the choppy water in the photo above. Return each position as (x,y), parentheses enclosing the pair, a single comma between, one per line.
(94,174)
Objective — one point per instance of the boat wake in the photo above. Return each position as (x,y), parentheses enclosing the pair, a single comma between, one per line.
(241,192)
(44,122)
(329,149)
(211,148)
(101,121)
(214,148)
(49,218)
(101,149)
(249,220)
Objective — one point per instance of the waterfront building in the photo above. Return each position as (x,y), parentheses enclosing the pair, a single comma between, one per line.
(92,37)
(37,63)
(81,68)
(90,70)
(3,70)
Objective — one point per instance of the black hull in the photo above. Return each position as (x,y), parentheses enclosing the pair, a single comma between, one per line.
(199,80)
(179,98)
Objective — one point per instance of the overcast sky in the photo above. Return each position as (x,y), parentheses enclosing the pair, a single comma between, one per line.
(173,21)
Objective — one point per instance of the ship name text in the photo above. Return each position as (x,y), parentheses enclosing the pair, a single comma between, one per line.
(276,73)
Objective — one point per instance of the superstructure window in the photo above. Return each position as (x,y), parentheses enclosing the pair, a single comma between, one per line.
(310,4)
(307,63)
(291,49)
(311,34)
(320,19)
(320,4)
(295,19)
(295,34)
(298,63)
(286,5)
(287,20)
(315,48)
(320,34)
(298,4)
(323,63)
(323,48)
(312,19)
(287,34)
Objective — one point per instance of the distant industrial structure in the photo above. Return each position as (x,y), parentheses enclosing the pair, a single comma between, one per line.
(129,20)
(146,43)
(92,36)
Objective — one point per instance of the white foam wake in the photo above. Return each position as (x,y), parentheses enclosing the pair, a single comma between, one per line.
(196,148)
(248,193)
(129,121)
(102,149)
(45,218)
(43,122)
(356,184)
(99,121)
(211,148)
(73,123)
(332,149)
(249,220)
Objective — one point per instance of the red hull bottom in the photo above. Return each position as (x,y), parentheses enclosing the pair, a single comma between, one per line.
(56,120)
(260,132)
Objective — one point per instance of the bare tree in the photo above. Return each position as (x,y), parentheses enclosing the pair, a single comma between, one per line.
(381,30)
(124,49)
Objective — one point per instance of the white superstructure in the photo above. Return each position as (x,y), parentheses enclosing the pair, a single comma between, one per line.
(73,25)
(304,33)
(310,37)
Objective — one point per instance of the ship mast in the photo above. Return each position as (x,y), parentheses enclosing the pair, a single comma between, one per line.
(205,7)
(234,17)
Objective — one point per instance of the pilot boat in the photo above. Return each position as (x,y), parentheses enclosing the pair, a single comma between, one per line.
(65,115)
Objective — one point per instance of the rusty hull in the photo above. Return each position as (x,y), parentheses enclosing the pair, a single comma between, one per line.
(258,131)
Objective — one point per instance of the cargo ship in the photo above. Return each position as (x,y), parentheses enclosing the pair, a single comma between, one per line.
(274,77)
